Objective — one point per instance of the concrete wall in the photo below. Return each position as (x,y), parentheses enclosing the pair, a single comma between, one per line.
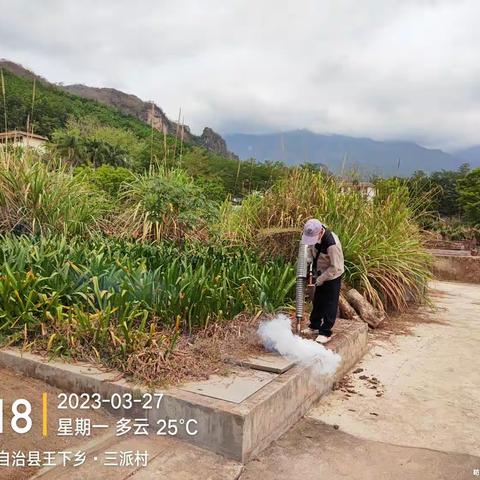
(237,431)
(32,142)
(460,269)
(35,143)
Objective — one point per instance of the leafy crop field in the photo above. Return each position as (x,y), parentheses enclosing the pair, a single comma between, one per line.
(152,260)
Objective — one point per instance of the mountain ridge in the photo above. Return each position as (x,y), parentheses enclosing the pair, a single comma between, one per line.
(151,114)
(341,152)
(470,154)
(129,104)
(335,151)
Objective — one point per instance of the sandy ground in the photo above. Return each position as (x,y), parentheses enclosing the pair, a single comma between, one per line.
(13,387)
(410,410)
(168,458)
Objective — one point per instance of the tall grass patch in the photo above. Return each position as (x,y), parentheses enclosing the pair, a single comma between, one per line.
(166,204)
(39,197)
(384,256)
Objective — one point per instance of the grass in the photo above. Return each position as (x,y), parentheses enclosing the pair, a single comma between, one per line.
(128,278)
(39,197)
(107,298)
(165,204)
(384,256)
(131,269)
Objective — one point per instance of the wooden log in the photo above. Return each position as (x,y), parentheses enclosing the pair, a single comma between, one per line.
(364,308)
(346,310)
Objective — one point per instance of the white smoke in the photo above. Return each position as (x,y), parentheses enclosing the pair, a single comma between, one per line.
(277,335)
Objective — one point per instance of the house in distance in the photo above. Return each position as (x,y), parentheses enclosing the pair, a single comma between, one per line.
(18,138)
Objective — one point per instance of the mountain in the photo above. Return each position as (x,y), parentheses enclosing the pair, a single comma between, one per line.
(470,155)
(151,114)
(20,70)
(54,103)
(339,152)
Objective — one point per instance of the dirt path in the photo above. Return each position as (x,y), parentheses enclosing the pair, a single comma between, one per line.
(168,458)
(413,411)
(13,387)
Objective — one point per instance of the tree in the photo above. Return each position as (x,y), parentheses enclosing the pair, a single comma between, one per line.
(69,146)
(106,178)
(469,195)
(439,189)
(87,141)
(447,201)
(238,176)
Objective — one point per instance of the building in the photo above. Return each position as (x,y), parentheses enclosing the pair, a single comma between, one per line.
(18,138)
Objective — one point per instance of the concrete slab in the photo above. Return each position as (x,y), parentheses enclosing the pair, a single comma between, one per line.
(14,386)
(455,268)
(313,451)
(168,459)
(237,430)
(429,381)
(235,388)
(410,412)
(186,462)
(269,362)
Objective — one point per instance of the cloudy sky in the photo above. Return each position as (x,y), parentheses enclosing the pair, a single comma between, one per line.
(406,69)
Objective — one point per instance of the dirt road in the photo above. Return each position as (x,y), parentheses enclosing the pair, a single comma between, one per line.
(411,412)
(14,387)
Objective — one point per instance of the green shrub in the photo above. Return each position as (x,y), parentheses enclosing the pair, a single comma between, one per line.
(213,189)
(40,198)
(166,204)
(106,178)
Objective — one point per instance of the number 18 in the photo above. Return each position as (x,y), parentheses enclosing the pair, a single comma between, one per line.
(17,415)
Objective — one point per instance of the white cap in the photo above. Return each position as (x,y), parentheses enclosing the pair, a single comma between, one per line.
(311,231)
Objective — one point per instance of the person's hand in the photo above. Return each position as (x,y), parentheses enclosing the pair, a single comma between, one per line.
(310,292)
(319,282)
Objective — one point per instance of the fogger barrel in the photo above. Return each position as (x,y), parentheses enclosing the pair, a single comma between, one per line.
(302,273)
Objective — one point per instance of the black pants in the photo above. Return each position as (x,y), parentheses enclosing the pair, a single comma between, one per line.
(325,306)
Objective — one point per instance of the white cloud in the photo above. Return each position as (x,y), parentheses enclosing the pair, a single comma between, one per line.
(378,68)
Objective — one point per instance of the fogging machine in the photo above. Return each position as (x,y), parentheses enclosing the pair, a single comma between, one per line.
(304,278)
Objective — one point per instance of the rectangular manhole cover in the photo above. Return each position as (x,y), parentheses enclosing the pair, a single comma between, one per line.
(269,362)
(235,388)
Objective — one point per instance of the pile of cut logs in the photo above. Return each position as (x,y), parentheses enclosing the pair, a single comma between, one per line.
(354,306)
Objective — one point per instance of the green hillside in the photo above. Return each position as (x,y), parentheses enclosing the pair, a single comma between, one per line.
(53,107)
(86,132)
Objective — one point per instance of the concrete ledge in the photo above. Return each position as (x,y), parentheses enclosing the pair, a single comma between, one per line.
(274,410)
(238,431)
(457,268)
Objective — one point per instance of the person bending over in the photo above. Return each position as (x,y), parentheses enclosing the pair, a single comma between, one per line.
(326,258)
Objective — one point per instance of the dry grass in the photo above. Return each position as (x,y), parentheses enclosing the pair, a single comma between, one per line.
(196,357)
